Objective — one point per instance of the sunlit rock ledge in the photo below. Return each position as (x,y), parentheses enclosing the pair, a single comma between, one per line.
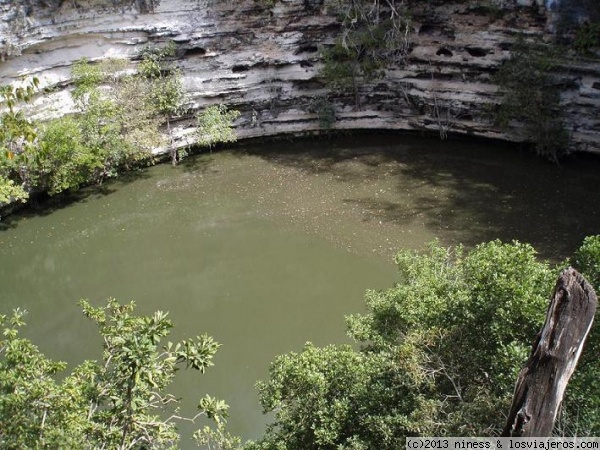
(264,61)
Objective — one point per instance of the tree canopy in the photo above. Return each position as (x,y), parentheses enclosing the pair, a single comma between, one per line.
(439,355)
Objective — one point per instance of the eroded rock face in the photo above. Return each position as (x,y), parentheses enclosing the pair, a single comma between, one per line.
(264,61)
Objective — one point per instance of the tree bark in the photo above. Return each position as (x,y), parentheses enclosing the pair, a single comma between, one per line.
(541,384)
(172,148)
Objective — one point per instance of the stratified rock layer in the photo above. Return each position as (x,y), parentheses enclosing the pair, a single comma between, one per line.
(264,61)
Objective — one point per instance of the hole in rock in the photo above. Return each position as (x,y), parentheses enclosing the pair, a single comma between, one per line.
(477,52)
(240,68)
(428,29)
(195,51)
(309,48)
(444,52)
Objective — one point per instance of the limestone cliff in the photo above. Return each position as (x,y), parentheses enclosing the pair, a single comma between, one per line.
(264,61)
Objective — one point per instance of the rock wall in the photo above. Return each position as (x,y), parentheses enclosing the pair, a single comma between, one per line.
(264,61)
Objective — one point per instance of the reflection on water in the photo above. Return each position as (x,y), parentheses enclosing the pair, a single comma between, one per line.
(268,247)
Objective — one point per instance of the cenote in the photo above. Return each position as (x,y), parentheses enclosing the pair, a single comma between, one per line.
(267,246)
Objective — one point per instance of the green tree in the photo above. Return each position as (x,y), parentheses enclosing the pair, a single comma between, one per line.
(165,94)
(115,125)
(531,96)
(581,414)
(117,403)
(18,144)
(113,129)
(439,355)
(337,398)
(66,162)
(373,36)
(587,260)
(587,38)
(120,109)
(214,125)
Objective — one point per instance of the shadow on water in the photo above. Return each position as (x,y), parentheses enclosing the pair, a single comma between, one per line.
(465,192)
(194,164)
(459,191)
(43,204)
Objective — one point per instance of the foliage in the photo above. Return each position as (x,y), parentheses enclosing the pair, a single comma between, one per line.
(119,112)
(112,130)
(217,438)
(340,67)
(587,260)
(587,38)
(116,125)
(12,95)
(136,104)
(10,192)
(583,399)
(67,162)
(215,125)
(336,398)
(18,143)
(464,322)
(86,78)
(166,94)
(531,96)
(440,352)
(325,111)
(28,392)
(579,19)
(165,88)
(373,35)
(118,403)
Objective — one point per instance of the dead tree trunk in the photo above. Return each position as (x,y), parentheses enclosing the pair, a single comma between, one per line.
(541,384)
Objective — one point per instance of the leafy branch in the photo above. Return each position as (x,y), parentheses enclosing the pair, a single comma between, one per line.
(109,404)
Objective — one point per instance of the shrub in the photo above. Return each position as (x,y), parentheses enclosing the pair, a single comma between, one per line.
(531,96)
(373,36)
(587,37)
(215,126)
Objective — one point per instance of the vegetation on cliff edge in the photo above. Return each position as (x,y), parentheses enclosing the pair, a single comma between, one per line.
(119,111)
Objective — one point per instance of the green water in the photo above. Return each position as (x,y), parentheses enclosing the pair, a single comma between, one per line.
(268,247)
